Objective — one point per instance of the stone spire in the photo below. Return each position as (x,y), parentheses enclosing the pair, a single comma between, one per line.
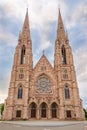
(60,29)
(26,28)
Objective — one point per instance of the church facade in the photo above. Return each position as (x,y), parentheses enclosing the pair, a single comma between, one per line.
(43,91)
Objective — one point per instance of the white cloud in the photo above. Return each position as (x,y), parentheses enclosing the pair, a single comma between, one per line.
(81,63)
(45,45)
(83,93)
(9,41)
(83,89)
(80,57)
(13,8)
(44,41)
(4,84)
(80,12)
(38,11)
(5,80)
(3,97)
(77,15)
(8,38)
(43,12)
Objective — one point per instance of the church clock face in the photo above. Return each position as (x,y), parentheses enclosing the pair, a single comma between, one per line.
(43,85)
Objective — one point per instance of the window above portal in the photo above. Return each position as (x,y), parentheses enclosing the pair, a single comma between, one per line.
(43,84)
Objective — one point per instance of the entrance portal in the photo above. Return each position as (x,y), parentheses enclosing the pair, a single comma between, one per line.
(43,110)
(54,110)
(33,110)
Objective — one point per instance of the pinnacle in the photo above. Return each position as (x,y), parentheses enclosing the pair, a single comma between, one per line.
(26,22)
(26,28)
(60,30)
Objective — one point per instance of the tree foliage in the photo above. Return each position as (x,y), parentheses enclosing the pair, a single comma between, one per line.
(2,109)
(85,111)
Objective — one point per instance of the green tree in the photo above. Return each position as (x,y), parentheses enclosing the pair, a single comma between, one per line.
(85,113)
(2,109)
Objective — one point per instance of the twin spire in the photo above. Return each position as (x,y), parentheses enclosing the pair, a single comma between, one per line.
(60,29)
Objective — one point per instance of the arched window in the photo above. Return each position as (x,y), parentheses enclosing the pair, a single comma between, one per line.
(20,92)
(67,93)
(63,51)
(23,55)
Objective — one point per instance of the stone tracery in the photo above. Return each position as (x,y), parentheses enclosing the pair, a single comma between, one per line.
(43,84)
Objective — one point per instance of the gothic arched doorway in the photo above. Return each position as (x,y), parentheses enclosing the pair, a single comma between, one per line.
(33,110)
(43,110)
(54,110)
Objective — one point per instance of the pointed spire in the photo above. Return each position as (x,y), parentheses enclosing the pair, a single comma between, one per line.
(26,28)
(60,30)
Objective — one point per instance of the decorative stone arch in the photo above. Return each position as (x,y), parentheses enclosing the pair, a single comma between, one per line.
(43,74)
(43,110)
(67,84)
(20,84)
(52,80)
(33,99)
(54,110)
(33,110)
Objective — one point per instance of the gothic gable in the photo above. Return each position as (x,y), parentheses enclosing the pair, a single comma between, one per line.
(43,67)
(42,64)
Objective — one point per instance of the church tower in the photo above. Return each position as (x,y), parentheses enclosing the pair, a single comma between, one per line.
(20,75)
(43,91)
(70,102)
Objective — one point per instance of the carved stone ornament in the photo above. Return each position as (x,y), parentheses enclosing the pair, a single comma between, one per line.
(21,76)
(43,85)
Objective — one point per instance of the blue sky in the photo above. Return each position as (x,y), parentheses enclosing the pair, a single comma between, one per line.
(43,17)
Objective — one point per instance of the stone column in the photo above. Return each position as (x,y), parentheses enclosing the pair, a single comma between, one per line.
(9,113)
(29,113)
(61,113)
(25,113)
(49,113)
(38,113)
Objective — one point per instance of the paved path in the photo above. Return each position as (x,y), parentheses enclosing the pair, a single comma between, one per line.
(85,125)
(43,125)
